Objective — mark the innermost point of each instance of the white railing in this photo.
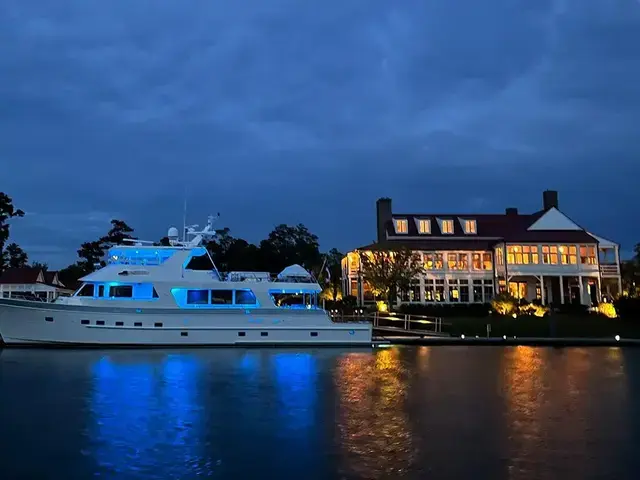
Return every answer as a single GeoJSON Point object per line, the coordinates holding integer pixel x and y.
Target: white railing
{"type": "Point", "coordinates": [609, 270]}
{"type": "Point", "coordinates": [396, 321]}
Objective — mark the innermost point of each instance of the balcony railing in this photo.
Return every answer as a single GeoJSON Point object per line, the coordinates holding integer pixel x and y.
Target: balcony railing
{"type": "Point", "coordinates": [609, 270]}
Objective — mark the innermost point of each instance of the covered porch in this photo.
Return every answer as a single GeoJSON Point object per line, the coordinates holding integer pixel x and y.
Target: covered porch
{"type": "Point", "coordinates": [555, 289]}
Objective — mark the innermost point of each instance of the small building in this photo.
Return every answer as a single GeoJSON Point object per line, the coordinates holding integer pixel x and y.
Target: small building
{"type": "Point", "coordinates": [468, 258]}
{"type": "Point", "coordinates": [32, 282]}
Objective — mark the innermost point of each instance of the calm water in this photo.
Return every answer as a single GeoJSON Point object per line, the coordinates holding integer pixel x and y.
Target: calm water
{"type": "Point", "coordinates": [414, 412]}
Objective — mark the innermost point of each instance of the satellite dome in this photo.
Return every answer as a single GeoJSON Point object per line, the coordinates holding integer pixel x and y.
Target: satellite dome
{"type": "Point", "coordinates": [173, 233]}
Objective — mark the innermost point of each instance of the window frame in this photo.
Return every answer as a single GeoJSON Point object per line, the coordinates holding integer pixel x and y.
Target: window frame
{"type": "Point", "coordinates": [449, 223]}
{"type": "Point", "coordinates": [401, 230]}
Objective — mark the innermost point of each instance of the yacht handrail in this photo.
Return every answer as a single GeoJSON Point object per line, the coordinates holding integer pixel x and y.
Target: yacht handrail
{"type": "Point", "coordinates": [265, 277]}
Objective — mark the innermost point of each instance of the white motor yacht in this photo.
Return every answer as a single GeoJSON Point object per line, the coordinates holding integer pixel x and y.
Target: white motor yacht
{"type": "Point", "coordinates": [149, 295]}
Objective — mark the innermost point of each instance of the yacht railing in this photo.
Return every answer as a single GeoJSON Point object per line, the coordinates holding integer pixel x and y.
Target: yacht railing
{"type": "Point", "coordinates": [264, 277]}
{"type": "Point", "coordinates": [24, 296]}
{"type": "Point", "coordinates": [399, 322]}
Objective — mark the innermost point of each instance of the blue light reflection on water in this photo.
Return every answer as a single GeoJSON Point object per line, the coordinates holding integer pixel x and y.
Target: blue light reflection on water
{"type": "Point", "coordinates": [145, 412]}
{"type": "Point", "coordinates": [296, 378]}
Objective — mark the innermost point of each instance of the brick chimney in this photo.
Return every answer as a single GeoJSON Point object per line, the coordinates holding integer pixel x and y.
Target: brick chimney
{"type": "Point", "coordinates": [549, 199]}
{"type": "Point", "coordinates": [511, 211]}
{"type": "Point", "coordinates": [383, 215]}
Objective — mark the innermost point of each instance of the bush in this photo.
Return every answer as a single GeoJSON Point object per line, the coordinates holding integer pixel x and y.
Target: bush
{"type": "Point", "coordinates": [607, 310]}
{"type": "Point", "coordinates": [533, 309]}
{"type": "Point", "coordinates": [504, 304]}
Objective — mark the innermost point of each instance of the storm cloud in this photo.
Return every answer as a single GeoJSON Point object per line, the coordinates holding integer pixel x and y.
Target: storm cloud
{"type": "Point", "coordinates": [290, 111]}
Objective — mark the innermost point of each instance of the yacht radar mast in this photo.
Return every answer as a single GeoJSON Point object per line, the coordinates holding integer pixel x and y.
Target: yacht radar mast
{"type": "Point", "coordinates": [207, 233]}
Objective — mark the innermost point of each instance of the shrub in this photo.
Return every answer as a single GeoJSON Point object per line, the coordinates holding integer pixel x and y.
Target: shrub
{"type": "Point", "coordinates": [504, 304]}
{"type": "Point", "coordinates": [607, 310]}
{"type": "Point", "coordinates": [533, 309]}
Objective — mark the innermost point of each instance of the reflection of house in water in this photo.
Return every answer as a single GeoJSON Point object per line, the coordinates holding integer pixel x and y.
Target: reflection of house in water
{"type": "Point", "coordinates": [468, 258]}
{"type": "Point", "coordinates": [373, 429]}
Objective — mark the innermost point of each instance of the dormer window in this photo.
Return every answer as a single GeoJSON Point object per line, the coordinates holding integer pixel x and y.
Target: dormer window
{"type": "Point", "coordinates": [424, 226]}
{"type": "Point", "coordinates": [470, 226]}
{"type": "Point", "coordinates": [401, 225]}
{"type": "Point", "coordinates": [446, 226]}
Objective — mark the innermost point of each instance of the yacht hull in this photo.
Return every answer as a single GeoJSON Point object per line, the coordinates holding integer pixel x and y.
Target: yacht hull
{"type": "Point", "coordinates": [25, 323]}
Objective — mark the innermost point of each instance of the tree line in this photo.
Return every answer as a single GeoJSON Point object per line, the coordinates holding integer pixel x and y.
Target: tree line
{"type": "Point", "coordinates": [285, 245]}
{"type": "Point", "coordinates": [385, 272]}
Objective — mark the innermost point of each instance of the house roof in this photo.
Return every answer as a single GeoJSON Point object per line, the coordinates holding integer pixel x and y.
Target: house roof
{"type": "Point", "coordinates": [432, 245]}
{"type": "Point", "coordinates": [509, 227]}
{"type": "Point", "coordinates": [20, 275]}
{"type": "Point", "coordinates": [30, 275]}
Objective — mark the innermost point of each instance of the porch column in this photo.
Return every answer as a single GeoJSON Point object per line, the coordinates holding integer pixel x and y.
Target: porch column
{"type": "Point", "coordinates": [617, 253]}
{"type": "Point", "coordinates": [561, 290]}
{"type": "Point", "coordinates": [542, 299]}
{"type": "Point", "coordinates": [599, 291]}
{"type": "Point", "coordinates": [580, 280]}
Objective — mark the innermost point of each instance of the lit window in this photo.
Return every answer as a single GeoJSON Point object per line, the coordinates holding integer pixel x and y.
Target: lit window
{"type": "Point", "coordinates": [476, 261]}
{"type": "Point", "coordinates": [550, 254]}
{"type": "Point", "coordinates": [568, 254]}
{"type": "Point", "coordinates": [573, 255]}
{"type": "Point", "coordinates": [515, 255]}
{"type": "Point", "coordinates": [588, 255]}
{"type": "Point", "coordinates": [518, 289]}
{"type": "Point", "coordinates": [447, 226]}
{"type": "Point", "coordinates": [470, 226]}
{"type": "Point", "coordinates": [424, 226]}
{"type": "Point", "coordinates": [535, 258]}
{"type": "Point", "coordinates": [433, 261]}
{"type": "Point", "coordinates": [457, 261]}
{"type": "Point", "coordinates": [402, 225]}
{"type": "Point", "coordinates": [499, 256]}
{"type": "Point", "coordinates": [486, 261]}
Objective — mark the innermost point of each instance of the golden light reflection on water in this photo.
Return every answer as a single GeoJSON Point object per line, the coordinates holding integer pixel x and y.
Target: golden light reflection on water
{"type": "Point", "coordinates": [549, 400]}
{"type": "Point", "coordinates": [522, 386]}
{"type": "Point", "coordinates": [423, 359]}
{"type": "Point", "coordinates": [373, 429]}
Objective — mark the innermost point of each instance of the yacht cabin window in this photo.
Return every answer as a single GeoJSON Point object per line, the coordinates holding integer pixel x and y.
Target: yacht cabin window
{"type": "Point", "coordinates": [198, 297]}
{"type": "Point", "coordinates": [245, 297]}
{"type": "Point", "coordinates": [86, 290]}
{"type": "Point", "coordinates": [121, 291]}
{"type": "Point", "coordinates": [221, 297]}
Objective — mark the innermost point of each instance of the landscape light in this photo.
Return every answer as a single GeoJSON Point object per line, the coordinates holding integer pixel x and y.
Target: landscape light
{"type": "Point", "coordinates": [617, 337]}
{"type": "Point", "coordinates": [462, 336]}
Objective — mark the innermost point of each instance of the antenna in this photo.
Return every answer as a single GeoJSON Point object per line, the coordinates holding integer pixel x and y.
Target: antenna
{"type": "Point", "coordinates": [184, 217]}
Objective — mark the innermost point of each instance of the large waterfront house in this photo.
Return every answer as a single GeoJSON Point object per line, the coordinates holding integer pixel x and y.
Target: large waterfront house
{"type": "Point", "coordinates": [469, 258]}
{"type": "Point", "coordinates": [32, 282]}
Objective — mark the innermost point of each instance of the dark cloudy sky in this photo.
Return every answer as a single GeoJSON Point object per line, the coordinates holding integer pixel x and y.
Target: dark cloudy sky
{"type": "Point", "coordinates": [286, 111]}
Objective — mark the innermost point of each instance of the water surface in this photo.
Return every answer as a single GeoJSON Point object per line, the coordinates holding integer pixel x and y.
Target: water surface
{"type": "Point", "coordinates": [410, 412]}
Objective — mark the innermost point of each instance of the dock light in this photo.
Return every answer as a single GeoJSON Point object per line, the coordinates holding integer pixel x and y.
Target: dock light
{"type": "Point", "coordinates": [617, 337]}
{"type": "Point", "coordinates": [462, 336]}
{"type": "Point", "coordinates": [514, 315]}
{"type": "Point", "coordinates": [504, 337]}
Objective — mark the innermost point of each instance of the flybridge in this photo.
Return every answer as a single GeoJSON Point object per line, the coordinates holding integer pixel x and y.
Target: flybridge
{"type": "Point", "coordinates": [144, 252]}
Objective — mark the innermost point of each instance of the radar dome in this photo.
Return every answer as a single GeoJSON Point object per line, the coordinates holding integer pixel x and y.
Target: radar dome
{"type": "Point", "coordinates": [173, 233]}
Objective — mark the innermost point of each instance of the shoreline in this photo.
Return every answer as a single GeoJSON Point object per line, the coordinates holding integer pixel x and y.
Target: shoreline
{"type": "Point", "coordinates": [377, 342]}
{"type": "Point", "coordinates": [510, 341]}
